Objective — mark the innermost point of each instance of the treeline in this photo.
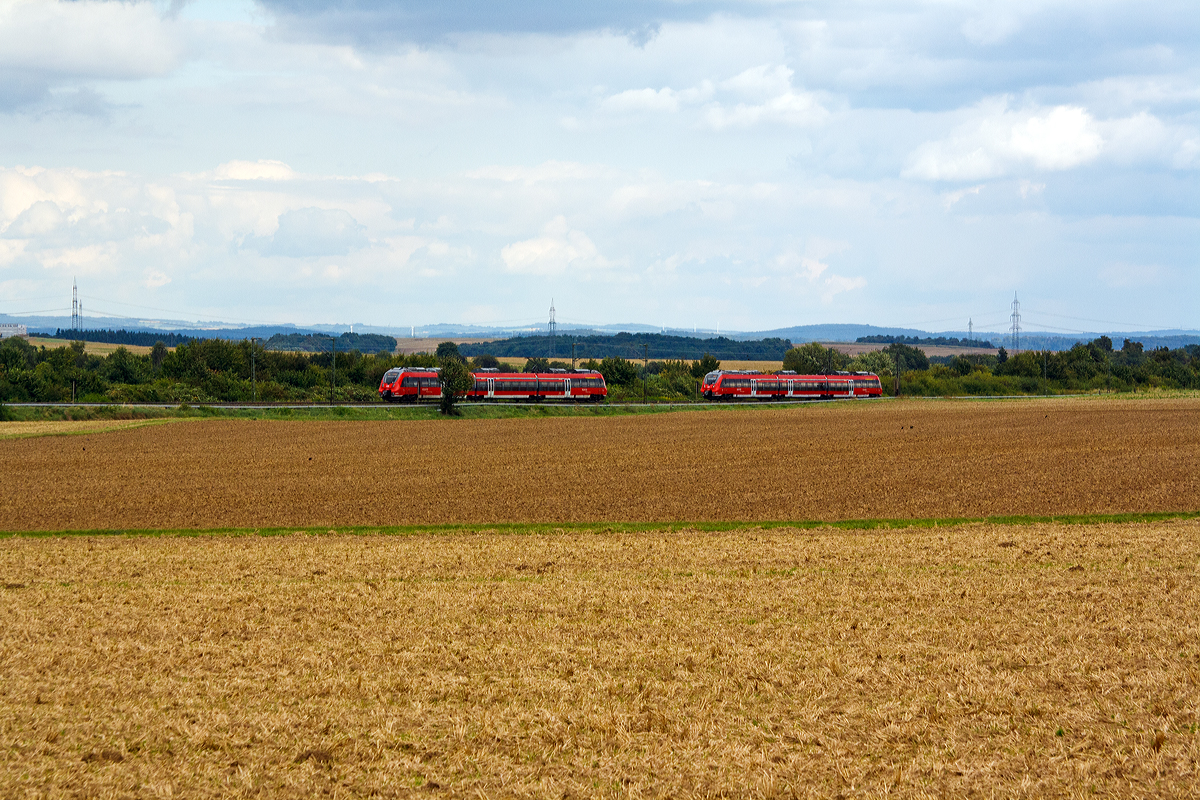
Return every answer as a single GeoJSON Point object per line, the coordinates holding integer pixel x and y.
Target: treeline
{"type": "Point", "coordinates": [137, 338]}
{"type": "Point", "coordinates": [632, 346]}
{"type": "Point", "coordinates": [319, 343]}
{"type": "Point", "coordinates": [219, 370]}
{"type": "Point", "coordinates": [199, 371]}
{"type": "Point", "coordinates": [1094, 366]}
{"type": "Point", "coordinates": [916, 341]}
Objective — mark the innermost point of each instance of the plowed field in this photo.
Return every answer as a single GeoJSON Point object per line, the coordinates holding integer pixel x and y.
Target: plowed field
{"type": "Point", "coordinates": [833, 461]}
{"type": "Point", "coordinates": [976, 660]}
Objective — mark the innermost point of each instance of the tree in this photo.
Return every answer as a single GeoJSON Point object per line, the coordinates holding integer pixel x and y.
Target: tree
{"type": "Point", "coordinates": [814, 359]}
{"type": "Point", "coordinates": [537, 365]}
{"type": "Point", "coordinates": [619, 372]}
{"type": "Point", "coordinates": [157, 354]}
{"type": "Point", "coordinates": [1001, 356]}
{"type": "Point", "coordinates": [875, 361]}
{"type": "Point", "coordinates": [448, 350]}
{"type": "Point", "coordinates": [486, 361]}
{"type": "Point", "coordinates": [962, 365]}
{"type": "Point", "coordinates": [456, 381]}
{"type": "Point", "coordinates": [909, 358]}
{"type": "Point", "coordinates": [704, 366]}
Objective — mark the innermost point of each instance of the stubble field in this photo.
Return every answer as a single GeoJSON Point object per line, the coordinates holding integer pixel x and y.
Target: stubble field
{"type": "Point", "coordinates": [976, 660]}
{"type": "Point", "coordinates": [916, 459]}
{"type": "Point", "coordinates": [1025, 660]}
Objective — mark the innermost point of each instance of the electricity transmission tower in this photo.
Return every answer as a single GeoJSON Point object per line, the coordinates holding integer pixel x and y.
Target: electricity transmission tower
{"type": "Point", "coordinates": [553, 327]}
{"type": "Point", "coordinates": [1016, 324]}
{"type": "Point", "coordinates": [75, 321]}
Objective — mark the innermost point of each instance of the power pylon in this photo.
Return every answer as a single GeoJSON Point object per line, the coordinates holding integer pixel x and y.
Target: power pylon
{"type": "Point", "coordinates": [1016, 324]}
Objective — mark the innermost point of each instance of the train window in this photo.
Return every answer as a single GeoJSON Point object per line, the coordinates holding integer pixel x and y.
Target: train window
{"type": "Point", "coordinates": [481, 386]}
{"type": "Point", "coordinates": [410, 381]}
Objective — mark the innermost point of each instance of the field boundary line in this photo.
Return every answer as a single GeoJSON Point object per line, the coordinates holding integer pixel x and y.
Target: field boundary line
{"type": "Point", "coordinates": [556, 528]}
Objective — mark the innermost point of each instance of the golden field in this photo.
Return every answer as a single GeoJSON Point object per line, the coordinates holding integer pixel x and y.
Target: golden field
{"type": "Point", "coordinates": [973, 660]}
{"type": "Point", "coordinates": [93, 348]}
{"type": "Point", "coordinates": [860, 460]}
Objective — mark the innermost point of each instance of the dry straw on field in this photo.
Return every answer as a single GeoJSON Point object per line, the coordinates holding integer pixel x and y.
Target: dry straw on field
{"type": "Point", "coordinates": [843, 461]}
{"type": "Point", "coordinates": [1001, 661]}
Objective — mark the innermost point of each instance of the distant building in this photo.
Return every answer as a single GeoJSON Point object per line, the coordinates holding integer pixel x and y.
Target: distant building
{"type": "Point", "coordinates": [8, 329]}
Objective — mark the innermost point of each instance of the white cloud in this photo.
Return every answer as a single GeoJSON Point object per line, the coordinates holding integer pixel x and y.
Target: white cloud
{"type": "Point", "coordinates": [810, 271]}
{"type": "Point", "coordinates": [88, 38]}
{"type": "Point", "coordinates": [254, 171]}
{"type": "Point", "coordinates": [556, 251]}
{"type": "Point", "coordinates": [156, 278]}
{"type": "Point", "coordinates": [664, 99]}
{"type": "Point", "coordinates": [999, 140]}
{"type": "Point", "coordinates": [773, 100]}
{"type": "Point", "coordinates": [950, 198]}
{"type": "Point", "coordinates": [761, 83]}
{"type": "Point", "coordinates": [836, 284]}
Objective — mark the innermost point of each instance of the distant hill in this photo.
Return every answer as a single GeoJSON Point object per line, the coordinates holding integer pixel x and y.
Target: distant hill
{"type": "Point", "coordinates": [833, 333]}
{"type": "Point", "coordinates": [656, 346]}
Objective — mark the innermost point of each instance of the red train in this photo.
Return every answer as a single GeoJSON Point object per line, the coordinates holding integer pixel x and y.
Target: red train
{"type": "Point", "coordinates": [746, 385]}
{"type": "Point", "coordinates": [410, 384]}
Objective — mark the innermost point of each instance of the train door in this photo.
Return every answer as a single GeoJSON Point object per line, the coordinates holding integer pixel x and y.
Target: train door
{"type": "Point", "coordinates": [754, 388]}
{"type": "Point", "coordinates": [791, 389]}
{"type": "Point", "coordinates": [567, 387]}
{"type": "Point", "coordinates": [491, 387]}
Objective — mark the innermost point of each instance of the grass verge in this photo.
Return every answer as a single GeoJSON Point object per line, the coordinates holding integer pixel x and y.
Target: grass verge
{"type": "Point", "coordinates": [539, 529]}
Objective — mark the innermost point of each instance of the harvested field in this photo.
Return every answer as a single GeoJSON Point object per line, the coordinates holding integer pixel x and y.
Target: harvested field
{"type": "Point", "coordinates": [863, 460]}
{"type": "Point", "coordinates": [92, 348]}
{"type": "Point", "coordinates": [407, 346]}
{"type": "Point", "coordinates": [1030, 661]}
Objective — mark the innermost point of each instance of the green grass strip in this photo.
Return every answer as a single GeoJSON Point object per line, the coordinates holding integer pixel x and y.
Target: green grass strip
{"type": "Point", "coordinates": [543, 528]}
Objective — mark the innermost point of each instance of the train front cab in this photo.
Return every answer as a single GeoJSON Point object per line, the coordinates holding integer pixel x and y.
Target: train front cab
{"type": "Point", "coordinates": [408, 384]}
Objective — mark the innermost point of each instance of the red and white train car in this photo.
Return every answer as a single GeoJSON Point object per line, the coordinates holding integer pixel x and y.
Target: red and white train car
{"type": "Point", "coordinates": [754, 385]}
{"type": "Point", "coordinates": [411, 384]}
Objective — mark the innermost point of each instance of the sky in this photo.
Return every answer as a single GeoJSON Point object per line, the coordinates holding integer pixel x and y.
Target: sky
{"type": "Point", "coordinates": [717, 164]}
